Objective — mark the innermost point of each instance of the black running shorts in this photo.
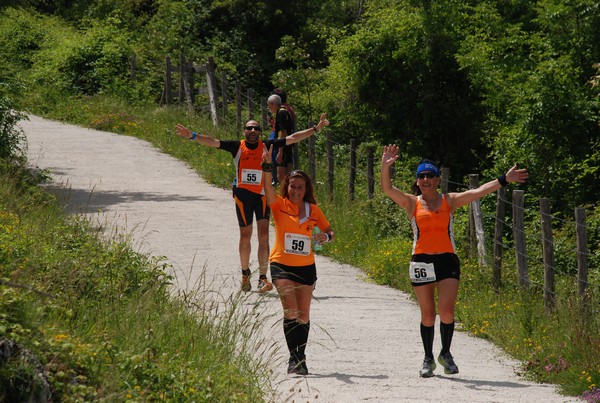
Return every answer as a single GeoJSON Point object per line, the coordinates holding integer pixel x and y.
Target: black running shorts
{"type": "Point", "coordinates": [249, 204]}
{"type": "Point", "coordinates": [427, 269]}
{"type": "Point", "coordinates": [306, 275]}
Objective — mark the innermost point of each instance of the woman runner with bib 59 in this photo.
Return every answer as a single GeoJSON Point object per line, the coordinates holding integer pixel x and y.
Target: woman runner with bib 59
{"type": "Point", "coordinates": [434, 263]}
{"type": "Point", "coordinates": [292, 262]}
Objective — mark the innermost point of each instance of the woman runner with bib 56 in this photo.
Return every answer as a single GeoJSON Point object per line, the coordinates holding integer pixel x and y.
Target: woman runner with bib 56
{"type": "Point", "coordinates": [292, 262]}
{"type": "Point", "coordinates": [434, 263]}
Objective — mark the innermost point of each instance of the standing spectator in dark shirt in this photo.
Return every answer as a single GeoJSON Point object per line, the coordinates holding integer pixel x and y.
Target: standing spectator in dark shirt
{"type": "Point", "coordinates": [284, 126]}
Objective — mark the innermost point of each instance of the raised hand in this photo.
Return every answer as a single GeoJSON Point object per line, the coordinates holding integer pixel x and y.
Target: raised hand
{"type": "Point", "coordinates": [517, 175]}
{"type": "Point", "coordinates": [390, 154]}
{"type": "Point", "coordinates": [267, 154]}
{"type": "Point", "coordinates": [183, 131]}
{"type": "Point", "coordinates": [322, 121]}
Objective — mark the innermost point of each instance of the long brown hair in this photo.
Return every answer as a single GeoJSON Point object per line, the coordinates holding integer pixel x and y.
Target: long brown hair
{"type": "Point", "coordinates": [309, 195]}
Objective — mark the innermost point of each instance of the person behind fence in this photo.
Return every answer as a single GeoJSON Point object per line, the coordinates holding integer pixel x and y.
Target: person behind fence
{"type": "Point", "coordinates": [434, 264]}
{"type": "Point", "coordinates": [248, 191]}
{"type": "Point", "coordinates": [283, 127]}
{"type": "Point", "coordinates": [292, 262]}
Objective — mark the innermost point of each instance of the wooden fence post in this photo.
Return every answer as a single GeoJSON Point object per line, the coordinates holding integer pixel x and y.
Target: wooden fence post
{"type": "Point", "coordinates": [352, 175]}
{"type": "Point", "coordinates": [478, 221]}
{"type": "Point", "coordinates": [519, 237]}
{"type": "Point", "coordinates": [445, 178]}
{"type": "Point", "coordinates": [312, 160]}
{"type": "Point", "coordinates": [250, 103]}
{"type": "Point", "coordinates": [498, 230]}
{"type": "Point", "coordinates": [184, 84]}
{"type": "Point", "coordinates": [182, 79]}
{"type": "Point", "coordinates": [548, 251]}
{"type": "Point", "coordinates": [330, 165]}
{"type": "Point", "coordinates": [224, 99]}
{"type": "Point", "coordinates": [133, 67]}
{"type": "Point", "coordinates": [212, 90]}
{"type": "Point", "coordinates": [582, 252]}
{"type": "Point", "coordinates": [191, 78]}
{"type": "Point", "coordinates": [370, 169]}
{"type": "Point", "coordinates": [167, 89]}
{"type": "Point", "coordinates": [238, 104]}
{"type": "Point", "coordinates": [263, 113]}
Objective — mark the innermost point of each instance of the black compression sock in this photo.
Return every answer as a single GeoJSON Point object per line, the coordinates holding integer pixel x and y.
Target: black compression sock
{"type": "Point", "coordinates": [427, 334]}
{"type": "Point", "coordinates": [446, 331]}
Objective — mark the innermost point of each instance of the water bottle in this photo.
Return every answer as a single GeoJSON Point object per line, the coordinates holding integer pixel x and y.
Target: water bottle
{"type": "Point", "coordinates": [316, 244]}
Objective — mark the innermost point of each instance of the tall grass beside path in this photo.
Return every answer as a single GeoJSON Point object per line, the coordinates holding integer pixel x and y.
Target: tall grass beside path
{"type": "Point", "coordinates": [556, 346]}
{"type": "Point", "coordinates": [86, 318]}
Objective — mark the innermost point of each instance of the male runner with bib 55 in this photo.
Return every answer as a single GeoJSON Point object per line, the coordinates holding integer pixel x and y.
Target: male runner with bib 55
{"type": "Point", "coordinates": [248, 191]}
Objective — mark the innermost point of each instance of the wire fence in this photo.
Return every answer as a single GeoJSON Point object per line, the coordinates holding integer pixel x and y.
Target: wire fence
{"type": "Point", "coordinates": [227, 103]}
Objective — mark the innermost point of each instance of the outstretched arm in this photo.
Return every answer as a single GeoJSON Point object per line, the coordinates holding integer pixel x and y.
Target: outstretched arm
{"type": "Point", "coordinates": [404, 200]}
{"type": "Point", "coordinates": [513, 175]}
{"type": "Point", "coordinates": [301, 135]}
{"type": "Point", "coordinates": [186, 133]}
{"type": "Point", "coordinates": [270, 193]}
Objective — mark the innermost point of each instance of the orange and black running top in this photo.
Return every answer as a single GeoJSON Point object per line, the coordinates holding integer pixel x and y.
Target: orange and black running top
{"type": "Point", "coordinates": [248, 171]}
{"type": "Point", "coordinates": [248, 159]}
{"type": "Point", "coordinates": [293, 236]}
{"type": "Point", "coordinates": [432, 230]}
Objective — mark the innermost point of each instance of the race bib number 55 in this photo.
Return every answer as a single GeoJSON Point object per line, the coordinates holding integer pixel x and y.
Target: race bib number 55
{"type": "Point", "coordinates": [421, 272]}
{"type": "Point", "coordinates": [251, 176]}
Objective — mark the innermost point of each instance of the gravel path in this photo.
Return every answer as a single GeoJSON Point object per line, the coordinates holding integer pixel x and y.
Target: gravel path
{"type": "Point", "coordinates": [364, 343]}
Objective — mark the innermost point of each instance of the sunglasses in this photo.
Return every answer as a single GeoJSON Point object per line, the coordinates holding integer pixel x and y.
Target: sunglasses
{"type": "Point", "coordinates": [428, 175]}
{"type": "Point", "coordinates": [257, 128]}
{"type": "Point", "coordinates": [298, 173]}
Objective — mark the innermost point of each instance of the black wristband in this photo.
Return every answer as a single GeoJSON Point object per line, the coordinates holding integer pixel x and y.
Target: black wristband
{"type": "Point", "coordinates": [315, 129]}
{"type": "Point", "coordinates": [328, 237]}
{"type": "Point", "coordinates": [503, 181]}
{"type": "Point", "coordinates": [266, 167]}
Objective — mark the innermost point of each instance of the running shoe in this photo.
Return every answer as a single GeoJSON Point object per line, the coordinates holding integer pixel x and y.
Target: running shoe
{"type": "Point", "coordinates": [303, 368]}
{"type": "Point", "coordinates": [447, 362]}
{"type": "Point", "coordinates": [428, 367]}
{"type": "Point", "coordinates": [298, 368]}
{"type": "Point", "coordinates": [264, 285]}
{"type": "Point", "coordinates": [293, 366]}
{"type": "Point", "coordinates": [246, 286]}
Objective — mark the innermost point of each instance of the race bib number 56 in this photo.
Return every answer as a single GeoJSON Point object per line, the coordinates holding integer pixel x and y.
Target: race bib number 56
{"type": "Point", "coordinates": [421, 272]}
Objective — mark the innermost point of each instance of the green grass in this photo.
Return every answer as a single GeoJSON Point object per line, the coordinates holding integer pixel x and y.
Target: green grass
{"type": "Point", "coordinates": [560, 346]}
{"type": "Point", "coordinates": [101, 321]}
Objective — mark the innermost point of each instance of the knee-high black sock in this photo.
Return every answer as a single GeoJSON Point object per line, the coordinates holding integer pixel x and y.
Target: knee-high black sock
{"type": "Point", "coordinates": [427, 333]}
{"type": "Point", "coordinates": [303, 330]}
{"type": "Point", "coordinates": [289, 327]}
{"type": "Point", "coordinates": [446, 331]}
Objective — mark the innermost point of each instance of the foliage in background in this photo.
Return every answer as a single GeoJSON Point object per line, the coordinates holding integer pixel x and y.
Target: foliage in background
{"type": "Point", "coordinates": [475, 85]}
{"type": "Point", "coordinates": [85, 318]}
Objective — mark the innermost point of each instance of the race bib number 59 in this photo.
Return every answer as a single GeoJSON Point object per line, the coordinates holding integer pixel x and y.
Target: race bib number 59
{"type": "Point", "coordinates": [297, 244]}
{"type": "Point", "coordinates": [421, 272]}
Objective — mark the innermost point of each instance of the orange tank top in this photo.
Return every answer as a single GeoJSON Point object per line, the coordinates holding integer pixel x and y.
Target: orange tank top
{"type": "Point", "coordinates": [249, 173]}
{"type": "Point", "coordinates": [432, 230]}
{"type": "Point", "coordinates": [293, 236]}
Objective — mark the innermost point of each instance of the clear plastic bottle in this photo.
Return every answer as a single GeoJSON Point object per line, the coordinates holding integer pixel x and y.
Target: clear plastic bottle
{"type": "Point", "coordinates": [316, 245]}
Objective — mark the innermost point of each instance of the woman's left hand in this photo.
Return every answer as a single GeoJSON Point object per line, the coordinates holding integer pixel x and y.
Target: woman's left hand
{"type": "Point", "coordinates": [267, 154]}
{"type": "Point", "coordinates": [517, 175]}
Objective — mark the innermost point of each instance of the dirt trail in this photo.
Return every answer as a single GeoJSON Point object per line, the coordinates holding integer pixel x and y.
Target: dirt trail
{"type": "Point", "coordinates": [364, 343]}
